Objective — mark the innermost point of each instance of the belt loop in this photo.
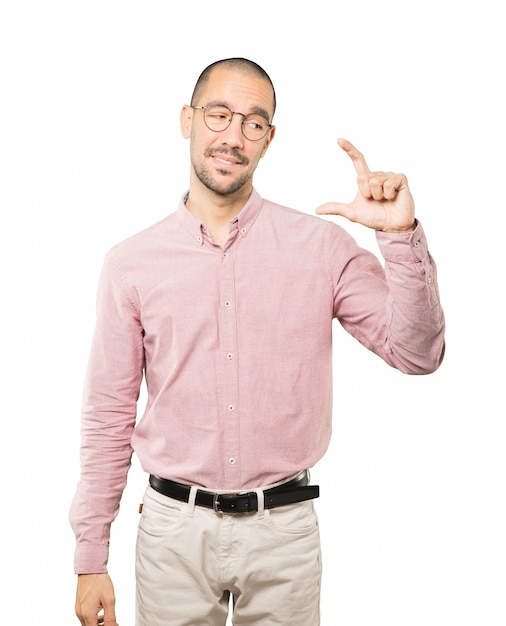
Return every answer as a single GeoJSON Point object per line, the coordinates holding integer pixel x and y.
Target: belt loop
{"type": "Point", "coordinates": [260, 499]}
{"type": "Point", "coordinates": [191, 500]}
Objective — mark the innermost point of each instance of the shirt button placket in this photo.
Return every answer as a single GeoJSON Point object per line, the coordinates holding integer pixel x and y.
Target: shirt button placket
{"type": "Point", "coordinates": [229, 382]}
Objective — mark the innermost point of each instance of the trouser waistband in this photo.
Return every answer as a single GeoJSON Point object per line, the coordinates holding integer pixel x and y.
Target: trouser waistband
{"type": "Point", "coordinates": [294, 490]}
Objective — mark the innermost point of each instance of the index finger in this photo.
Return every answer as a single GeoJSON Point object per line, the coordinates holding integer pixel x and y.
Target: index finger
{"type": "Point", "coordinates": [355, 155]}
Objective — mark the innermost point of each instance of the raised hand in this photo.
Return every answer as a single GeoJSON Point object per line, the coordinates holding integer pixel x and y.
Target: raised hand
{"type": "Point", "coordinates": [383, 201]}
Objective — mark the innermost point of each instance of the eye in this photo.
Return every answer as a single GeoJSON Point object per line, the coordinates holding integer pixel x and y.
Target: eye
{"type": "Point", "coordinates": [255, 123]}
{"type": "Point", "coordinates": [218, 114]}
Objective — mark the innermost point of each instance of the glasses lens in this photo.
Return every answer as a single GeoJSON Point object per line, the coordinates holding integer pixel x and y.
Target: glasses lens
{"type": "Point", "coordinates": [218, 118]}
{"type": "Point", "coordinates": [254, 127]}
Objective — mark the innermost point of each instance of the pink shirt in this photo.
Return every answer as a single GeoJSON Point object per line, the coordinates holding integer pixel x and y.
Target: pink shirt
{"type": "Point", "coordinates": [235, 344]}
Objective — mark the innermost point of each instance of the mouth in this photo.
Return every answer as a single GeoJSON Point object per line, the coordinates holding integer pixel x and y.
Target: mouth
{"type": "Point", "coordinates": [223, 162]}
{"type": "Point", "coordinates": [227, 159]}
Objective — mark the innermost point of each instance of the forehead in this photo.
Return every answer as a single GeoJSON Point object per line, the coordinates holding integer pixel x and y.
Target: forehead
{"type": "Point", "coordinates": [242, 92]}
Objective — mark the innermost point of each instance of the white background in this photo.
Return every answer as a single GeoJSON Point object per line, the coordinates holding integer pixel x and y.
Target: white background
{"type": "Point", "coordinates": [413, 509]}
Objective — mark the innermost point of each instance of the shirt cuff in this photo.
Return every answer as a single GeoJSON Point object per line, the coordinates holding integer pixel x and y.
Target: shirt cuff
{"type": "Point", "coordinates": [403, 247]}
{"type": "Point", "coordinates": [91, 559]}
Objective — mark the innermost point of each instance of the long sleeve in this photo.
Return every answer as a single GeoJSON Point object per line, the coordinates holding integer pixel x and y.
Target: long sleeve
{"type": "Point", "coordinates": [394, 311]}
{"type": "Point", "coordinates": [111, 391]}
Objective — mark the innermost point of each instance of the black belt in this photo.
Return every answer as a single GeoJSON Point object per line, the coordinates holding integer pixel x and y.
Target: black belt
{"type": "Point", "coordinates": [295, 490]}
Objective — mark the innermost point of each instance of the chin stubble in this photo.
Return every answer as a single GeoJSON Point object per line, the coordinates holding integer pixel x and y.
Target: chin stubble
{"type": "Point", "coordinates": [206, 179]}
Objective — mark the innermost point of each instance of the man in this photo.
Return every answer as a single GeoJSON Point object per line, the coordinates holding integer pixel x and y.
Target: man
{"type": "Point", "coordinates": [226, 306]}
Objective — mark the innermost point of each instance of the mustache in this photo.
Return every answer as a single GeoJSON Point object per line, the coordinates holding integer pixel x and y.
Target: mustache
{"type": "Point", "coordinates": [229, 152]}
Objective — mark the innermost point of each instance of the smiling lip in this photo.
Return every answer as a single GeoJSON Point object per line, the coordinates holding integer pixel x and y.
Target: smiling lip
{"type": "Point", "coordinates": [224, 160]}
{"type": "Point", "coordinates": [227, 158]}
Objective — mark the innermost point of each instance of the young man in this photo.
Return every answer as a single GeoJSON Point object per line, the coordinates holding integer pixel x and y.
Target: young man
{"type": "Point", "coordinates": [226, 307]}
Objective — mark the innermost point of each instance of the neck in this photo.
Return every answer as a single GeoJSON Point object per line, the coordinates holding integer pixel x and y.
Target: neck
{"type": "Point", "coordinates": [214, 210]}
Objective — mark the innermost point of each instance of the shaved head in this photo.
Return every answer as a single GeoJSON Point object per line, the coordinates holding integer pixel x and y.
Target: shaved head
{"type": "Point", "coordinates": [244, 66]}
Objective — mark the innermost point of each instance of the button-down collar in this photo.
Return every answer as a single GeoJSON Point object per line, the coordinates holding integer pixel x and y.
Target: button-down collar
{"type": "Point", "coordinates": [243, 221]}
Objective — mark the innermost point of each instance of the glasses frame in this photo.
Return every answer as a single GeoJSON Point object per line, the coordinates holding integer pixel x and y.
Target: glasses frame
{"type": "Point", "coordinates": [232, 113]}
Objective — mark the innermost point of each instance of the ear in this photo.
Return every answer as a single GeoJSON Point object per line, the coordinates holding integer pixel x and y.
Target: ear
{"type": "Point", "coordinates": [267, 140]}
{"type": "Point", "coordinates": [185, 120]}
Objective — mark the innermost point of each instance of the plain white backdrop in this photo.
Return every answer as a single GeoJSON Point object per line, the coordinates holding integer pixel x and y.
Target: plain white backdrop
{"type": "Point", "coordinates": [413, 507]}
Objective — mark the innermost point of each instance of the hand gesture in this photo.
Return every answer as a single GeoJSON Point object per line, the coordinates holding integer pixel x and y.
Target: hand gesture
{"type": "Point", "coordinates": [383, 200]}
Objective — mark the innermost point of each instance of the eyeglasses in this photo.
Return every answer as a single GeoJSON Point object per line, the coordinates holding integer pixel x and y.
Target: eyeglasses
{"type": "Point", "coordinates": [217, 118]}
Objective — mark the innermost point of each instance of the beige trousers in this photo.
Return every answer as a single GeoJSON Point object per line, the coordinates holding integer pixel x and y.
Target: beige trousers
{"type": "Point", "coordinates": [190, 559]}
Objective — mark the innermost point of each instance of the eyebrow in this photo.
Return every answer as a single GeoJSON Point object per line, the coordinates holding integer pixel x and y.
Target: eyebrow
{"type": "Point", "coordinates": [256, 110]}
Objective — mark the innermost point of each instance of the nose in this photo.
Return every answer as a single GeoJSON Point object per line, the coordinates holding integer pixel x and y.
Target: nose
{"type": "Point", "coordinates": [232, 135]}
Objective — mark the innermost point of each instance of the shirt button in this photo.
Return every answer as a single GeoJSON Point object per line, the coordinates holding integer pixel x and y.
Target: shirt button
{"type": "Point", "coordinates": [230, 356]}
{"type": "Point", "coordinates": [225, 255]}
{"type": "Point", "coordinates": [228, 303]}
{"type": "Point", "coordinates": [429, 280]}
{"type": "Point", "coordinates": [243, 231]}
{"type": "Point", "coordinates": [231, 460]}
{"type": "Point", "coordinates": [417, 243]}
{"type": "Point", "coordinates": [231, 407]}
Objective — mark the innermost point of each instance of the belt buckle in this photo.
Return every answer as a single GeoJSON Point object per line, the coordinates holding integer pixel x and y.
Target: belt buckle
{"type": "Point", "coordinates": [217, 496]}
{"type": "Point", "coordinates": [216, 503]}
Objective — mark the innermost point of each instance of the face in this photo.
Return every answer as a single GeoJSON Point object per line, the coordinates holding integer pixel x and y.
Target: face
{"type": "Point", "coordinates": [224, 162]}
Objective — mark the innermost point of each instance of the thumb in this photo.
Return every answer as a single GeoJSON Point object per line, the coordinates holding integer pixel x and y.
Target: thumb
{"type": "Point", "coordinates": [335, 208]}
{"type": "Point", "coordinates": [109, 617]}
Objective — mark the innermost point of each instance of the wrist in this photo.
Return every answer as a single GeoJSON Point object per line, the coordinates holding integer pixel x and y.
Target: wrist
{"type": "Point", "coordinates": [406, 229]}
